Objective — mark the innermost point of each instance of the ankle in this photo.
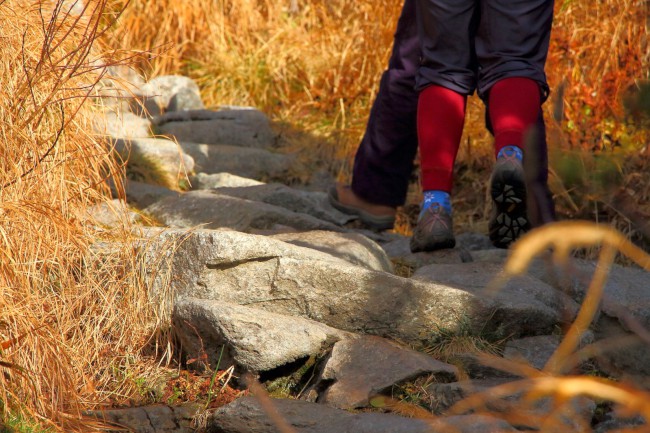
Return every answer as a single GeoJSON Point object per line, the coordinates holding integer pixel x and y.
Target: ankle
{"type": "Point", "coordinates": [436, 198]}
{"type": "Point", "coordinates": [511, 151]}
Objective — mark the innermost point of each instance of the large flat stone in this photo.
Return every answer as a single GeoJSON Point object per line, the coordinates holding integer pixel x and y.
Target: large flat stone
{"type": "Point", "coordinates": [380, 237]}
{"type": "Point", "coordinates": [492, 255]}
{"type": "Point", "coordinates": [124, 125]}
{"type": "Point", "coordinates": [117, 88]}
{"type": "Point", "coordinates": [311, 203]}
{"type": "Point", "coordinates": [146, 155]}
{"type": "Point", "coordinates": [148, 419]}
{"type": "Point", "coordinates": [624, 310]}
{"type": "Point", "coordinates": [366, 366]}
{"type": "Point", "coordinates": [255, 340]}
{"type": "Point", "coordinates": [235, 126]}
{"type": "Point", "coordinates": [627, 293]}
{"type": "Point", "coordinates": [247, 416]}
{"type": "Point", "coordinates": [143, 194]}
{"type": "Point", "coordinates": [220, 180]}
{"type": "Point", "coordinates": [190, 256]}
{"type": "Point", "coordinates": [626, 355]}
{"type": "Point", "coordinates": [352, 247]}
{"type": "Point", "coordinates": [113, 214]}
{"type": "Point", "coordinates": [213, 210]}
{"type": "Point", "coordinates": [173, 93]}
{"type": "Point", "coordinates": [442, 396]}
{"type": "Point", "coordinates": [253, 163]}
{"type": "Point", "coordinates": [538, 305]}
{"type": "Point", "coordinates": [571, 415]}
{"type": "Point", "coordinates": [537, 350]}
{"type": "Point", "coordinates": [473, 241]}
{"type": "Point", "coordinates": [287, 279]}
{"type": "Point", "coordinates": [400, 252]}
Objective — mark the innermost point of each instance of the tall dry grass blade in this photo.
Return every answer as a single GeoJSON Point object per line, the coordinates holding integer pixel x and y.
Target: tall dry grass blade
{"type": "Point", "coordinates": [598, 348]}
{"type": "Point", "coordinates": [635, 401]}
{"type": "Point", "coordinates": [589, 308]}
{"type": "Point", "coordinates": [563, 389]}
{"type": "Point", "coordinates": [563, 237]}
{"type": "Point", "coordinates": [513, 367]}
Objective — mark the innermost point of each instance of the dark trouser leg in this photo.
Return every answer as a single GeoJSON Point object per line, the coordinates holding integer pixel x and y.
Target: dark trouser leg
{"type": "Point", "coordinates": [384, 159]}
{"type": "Point", "coordinates": [521, 29]}
{"type": "Point", "coordinates": [541, 208]}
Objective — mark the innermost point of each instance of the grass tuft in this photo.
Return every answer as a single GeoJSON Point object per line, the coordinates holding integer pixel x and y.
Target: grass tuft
{"type": "Point", "coordinates": [75, 313]}
{"type": "Point", "coordinates": [463, 339]}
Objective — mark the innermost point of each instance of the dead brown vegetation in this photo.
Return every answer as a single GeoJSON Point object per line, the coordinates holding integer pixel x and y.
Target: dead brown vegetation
{"type": "Point", "coordinates": [64, 298]}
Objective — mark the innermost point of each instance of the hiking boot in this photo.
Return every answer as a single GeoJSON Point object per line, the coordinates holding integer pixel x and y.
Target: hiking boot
{"type": "Point", "coordinates": [509, 218]}
{"type": "Point", "coordinates": [374, 216]}
{"type": "Point", "coordinates": [433, 231]}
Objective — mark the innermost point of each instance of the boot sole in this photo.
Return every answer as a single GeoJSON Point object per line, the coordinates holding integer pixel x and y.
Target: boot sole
{"type": "Point", "coordinates": [509, 219]}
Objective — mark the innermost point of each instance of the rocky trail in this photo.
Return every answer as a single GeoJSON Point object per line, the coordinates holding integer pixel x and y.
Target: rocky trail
{"type": "Point", "coordinates": [272, 280]}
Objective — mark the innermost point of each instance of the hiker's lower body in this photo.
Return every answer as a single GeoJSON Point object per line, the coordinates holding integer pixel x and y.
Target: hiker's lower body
{"type": "Point", "coordinates": [383, 163]}
{"type": "Point", "coordinates": [499, 48]}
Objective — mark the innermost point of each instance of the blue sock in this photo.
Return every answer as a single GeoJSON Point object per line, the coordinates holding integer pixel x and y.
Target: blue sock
{"type": "Point", "coordinates": [432, 197]}
{"type": "Point", "coordinates": [510, 151]}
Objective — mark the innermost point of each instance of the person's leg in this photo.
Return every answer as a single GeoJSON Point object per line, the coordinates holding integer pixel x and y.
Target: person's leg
{"type": "Point", "coordinates": [511, 47]}
{"type": "Point", "coordinates": [441, 115]}
{"type": "Point", "coordinates": [512, 41]}
{"type": "Point", "coordinates": [514, 105]}
{"type": "Point", "coordinates": [541, 208]}
{"type": "Point", "coordinates": [384, 160]}
{"type": "Point", "coordinates": [445, 78]}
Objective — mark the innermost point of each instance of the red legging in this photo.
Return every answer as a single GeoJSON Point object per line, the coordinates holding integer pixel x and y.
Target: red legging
{"type": "Point", "coordinates": [514, 105]}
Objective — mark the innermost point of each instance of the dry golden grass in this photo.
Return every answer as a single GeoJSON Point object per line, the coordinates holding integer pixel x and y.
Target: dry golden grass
{"type": "Point", "coordinates": [74, 319]}
{"type": "Point", "coordinates": [600, 50]}
{"type": "Point", "coordinates": [323, 59]}
{"type": "Point", "coordinates": [316, 68]}
{"type": "Point", "coordinates": [72, 314]}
